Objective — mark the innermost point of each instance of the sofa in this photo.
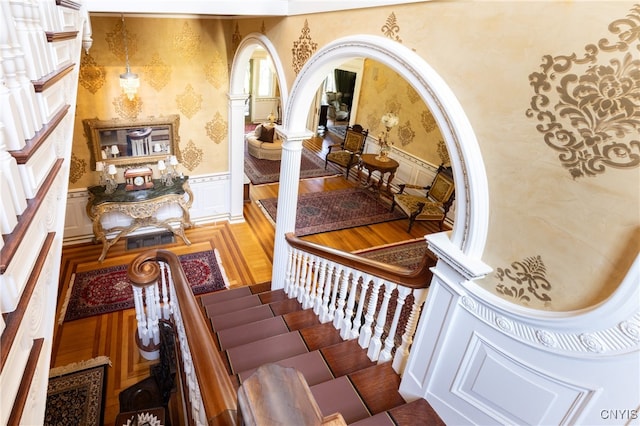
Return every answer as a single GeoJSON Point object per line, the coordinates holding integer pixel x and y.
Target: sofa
{"type": "Point", "coordinates": [338, 110]}
{"type": "Point", "coordinates": [264, 143]}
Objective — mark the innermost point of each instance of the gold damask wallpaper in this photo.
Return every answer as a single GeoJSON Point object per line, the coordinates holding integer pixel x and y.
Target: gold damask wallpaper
{"type": "Point", "coordinates": [417, 132]}
{"type": "Point", "coordinates": [183, 69]}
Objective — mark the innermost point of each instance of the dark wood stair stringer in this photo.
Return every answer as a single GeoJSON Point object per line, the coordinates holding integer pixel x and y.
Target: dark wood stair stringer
{"type": "Point", "coordinates": [339, 373]}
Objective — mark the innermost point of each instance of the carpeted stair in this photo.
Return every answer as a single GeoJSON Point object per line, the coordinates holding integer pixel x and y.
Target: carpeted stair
{"type": "Point", "coordinates": [255, 326]}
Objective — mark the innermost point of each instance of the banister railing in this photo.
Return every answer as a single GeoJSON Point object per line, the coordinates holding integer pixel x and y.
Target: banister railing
{"type": "Point", "coordinates": [377, 303]}
{"type": "Point", "coordinates": [211, 394]}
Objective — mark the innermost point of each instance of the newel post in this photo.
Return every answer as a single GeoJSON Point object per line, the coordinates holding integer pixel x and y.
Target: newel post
{"type": "Point", "coordinates": [143, 273]}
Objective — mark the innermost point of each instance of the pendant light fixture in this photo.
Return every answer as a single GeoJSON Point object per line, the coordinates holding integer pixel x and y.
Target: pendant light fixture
{"type": "Point", "coordinates": [129, 82]}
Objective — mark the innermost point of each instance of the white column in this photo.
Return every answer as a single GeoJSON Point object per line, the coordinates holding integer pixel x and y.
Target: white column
{"type": "Point", "coordinates": [287, 202]}
{"type": "Point", "coordinates": [236, 158]}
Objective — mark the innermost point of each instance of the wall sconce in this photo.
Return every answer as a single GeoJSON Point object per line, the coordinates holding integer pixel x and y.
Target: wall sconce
{"type": "Point", "coordinates": [129, 82]}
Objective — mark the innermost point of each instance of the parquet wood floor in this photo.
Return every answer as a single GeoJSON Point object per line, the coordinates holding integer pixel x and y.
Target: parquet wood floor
{"type": "Point", "coordinates": [246, 251]}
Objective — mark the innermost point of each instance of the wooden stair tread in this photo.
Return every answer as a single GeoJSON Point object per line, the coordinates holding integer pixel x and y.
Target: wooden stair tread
{"type": "Point", "coordinates": [273, 296]}
{"type": "Point", "coordinates": [346, 357]}
{"type": "Point", "coordinates": [416, 413]}
{"type": "Point", "coordinates": [233, 319]}
{"type": "Point", "coordinates": [378, 387]}
{"type": "Point", "coordinates": [282, 307]}
{"type": "Point", "coordinates": [260, 288]}
{"type": "Point", "coordinates": [301, 319]}
{"type": "Point", "coordinates": [310, 364]}
{"type": "Point", "coordinates": [321, 335]}
{"type": "Point", "coordinates": [380, 419]}
{"type": "Point", "coordinates": [232, 305]}
{"type": "Point", "coordinates": [269, 350]}
{"type": "Point", "coordinates": [339, 396]}
{"type": "Point", "coordinates": [246, 333]}
{"type": "Point", "coordinates": [221, 296]}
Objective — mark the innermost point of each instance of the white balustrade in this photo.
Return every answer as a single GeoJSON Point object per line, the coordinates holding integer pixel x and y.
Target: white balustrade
{"type": "Point", "coordinates": [359, 305]}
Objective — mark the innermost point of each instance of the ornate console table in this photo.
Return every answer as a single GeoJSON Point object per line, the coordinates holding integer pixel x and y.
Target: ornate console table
{"type": "Point", "coordinates": [141, 206]}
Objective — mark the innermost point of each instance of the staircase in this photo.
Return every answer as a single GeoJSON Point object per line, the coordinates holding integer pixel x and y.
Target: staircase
{"type": "Point", "coordinates": [254, 325]}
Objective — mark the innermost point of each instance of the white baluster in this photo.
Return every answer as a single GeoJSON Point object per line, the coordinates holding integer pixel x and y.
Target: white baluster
{"type": "Point", "coordinates": [151, 293]}
{"type": "Point", "coordinates": [141, 317]}
{"type": "Point", "coordinates": [296, 279]}
{"type": "Point", "coordinates": [390, 342]}
{"type": "Point", "coordinates": [402, 353]}
{"type": "Point", "coordinates": [345, 326]}
{"type": "Point", "coordinates": [329, 294]}
{"type": "Point", "coordinates": [335, 289]}
{"type": "Point", "coordinates": [166, 281]}
{"type": "Point", "coordinates": [376, 341]}
{"type": "Point", "coordinates": [320, 286]}
{"type": "Point", "coordinates": [367, 329]}
{"type": "Point", "coordinates": [343, 284]}
{"type": "Point", "coordinates": [288, 282]}
{"type": "Point", "coordinates": [357, 319]}
{"type": "Point", "coordinates": [304, 260]}
{"type": "Point", "coordinates": [12, 176]}
{"type": "Point", "coordinates": [21, 100]}
{"type": "Point", "coordinates": [310, 283]}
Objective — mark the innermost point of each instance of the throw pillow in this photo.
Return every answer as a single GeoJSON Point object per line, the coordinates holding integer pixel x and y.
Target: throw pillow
{"type": "Point", "coordinates": [266, 135]}
{"type": "Point", "coordinates": [258, 130]}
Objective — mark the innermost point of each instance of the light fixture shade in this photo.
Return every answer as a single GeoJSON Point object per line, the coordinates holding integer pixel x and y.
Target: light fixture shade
{"type": "Point", "coordinates": [129, 82]}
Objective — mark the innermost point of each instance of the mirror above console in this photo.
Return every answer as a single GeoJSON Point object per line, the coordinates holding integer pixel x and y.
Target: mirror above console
{"type": "Point", "coordinates": [123, 142]}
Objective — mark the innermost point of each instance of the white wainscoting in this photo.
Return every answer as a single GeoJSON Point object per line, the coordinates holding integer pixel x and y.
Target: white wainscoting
{"type": "Point", "coordinates": [211, 195]}
{"type": "Point", "coordinates": [411, 170]}
{"type": "Point", "coordinates": [262, 107]}
{"type": "Point", "coordinates": [483, 360]}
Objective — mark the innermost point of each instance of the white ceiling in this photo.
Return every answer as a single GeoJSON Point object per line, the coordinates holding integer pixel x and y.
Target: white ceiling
{"type": "Point", "coordinates": [232, 8]}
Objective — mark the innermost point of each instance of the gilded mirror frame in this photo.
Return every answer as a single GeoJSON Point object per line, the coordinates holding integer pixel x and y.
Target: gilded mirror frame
{"type": "Point", "coordinates": [164, 128]}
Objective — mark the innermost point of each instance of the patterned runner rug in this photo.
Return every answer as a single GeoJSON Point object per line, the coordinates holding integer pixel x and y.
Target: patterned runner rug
{"type": "Point", "coordinates": [268, 171]}
{"type": "Point", "coordinates": [108, 290]}
{"type": "Point", "coordinates": [406, 253]}
{"type": "Point", "coordinates": [333, 210]}
{"type": "Point", "coordinates": [76, 393]}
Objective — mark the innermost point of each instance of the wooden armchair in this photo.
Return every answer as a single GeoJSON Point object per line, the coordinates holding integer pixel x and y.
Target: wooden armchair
{"type": "Point", "coordinates": [436, 202]}
{"type": "Point", "coordinates": [347, 153]}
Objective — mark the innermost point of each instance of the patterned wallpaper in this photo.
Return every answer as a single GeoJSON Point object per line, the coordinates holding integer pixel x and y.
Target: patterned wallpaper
{"type": "Point", "coordinates": [417, 133]}
{"type": "Point", "coordinates": [182, 65]}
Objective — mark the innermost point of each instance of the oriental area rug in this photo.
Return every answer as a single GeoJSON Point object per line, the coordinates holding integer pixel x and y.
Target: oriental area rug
{"type": "Point", "coordinates": [334, 210]}
{"type": "Point", "coordinates": [408, 254]}
{"type": "Point", "coordinates": [76, 393]}
{"type": "Point", "coordinates": [262, 172]}
{"type": "Point", "coordinates": [108, 290]}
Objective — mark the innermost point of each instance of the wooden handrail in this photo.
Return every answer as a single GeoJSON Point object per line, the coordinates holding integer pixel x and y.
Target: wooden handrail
{"type": "Point", "coordinates": [218, 393]}
{"type": "Point", "coordinates": [412, 278]}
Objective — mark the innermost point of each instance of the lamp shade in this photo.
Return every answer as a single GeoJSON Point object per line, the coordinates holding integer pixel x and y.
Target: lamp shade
{"type": "Point", "coordinates": [115, 150]}
{"type": "Point", "coordinates": [99, 166]}
{"type": "Point", "coordinates": [173, 160]}
{"type": "Point", "coordinates": [161, 165]}
{"type": "Point", "coordinates": [112, 169]}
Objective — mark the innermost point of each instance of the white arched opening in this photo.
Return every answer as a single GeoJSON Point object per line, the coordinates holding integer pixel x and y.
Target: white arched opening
{"type": "Point", "coordinates": [237, 99]}
{"type": "Point", "coordinates": [472, 212]}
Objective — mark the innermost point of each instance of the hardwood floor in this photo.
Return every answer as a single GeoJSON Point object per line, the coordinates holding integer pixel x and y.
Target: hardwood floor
{"type": "Point", "coordinates": [246, 251]}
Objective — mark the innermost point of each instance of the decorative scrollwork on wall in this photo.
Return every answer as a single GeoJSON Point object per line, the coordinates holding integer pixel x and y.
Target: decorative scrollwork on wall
{"type": "Point", "coordinates": [216, 128]}
{"type": "Point", "coordinates": [191, 156]}
{"type": "Point", "coordinates": [303, 48]}
{"type": "Point", "coordinates": [92, 76]}
{"type": "Point", "coordinates": [391, 28]}
{"type": "Point", "coordinates": [189, 102]}
{"type": "Point", "coordinates": [526, 278]}
{"type": "Point", "coordinates": [591, 117]}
